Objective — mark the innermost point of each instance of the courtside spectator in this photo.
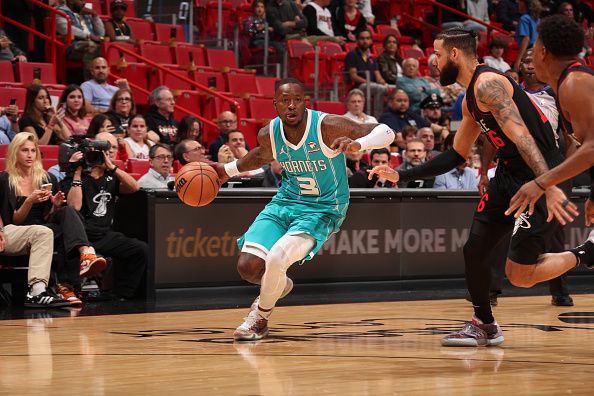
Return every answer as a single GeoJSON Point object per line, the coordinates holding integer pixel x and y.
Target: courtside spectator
{"type": "Point", "coordinates": [87, 29]}
{"type": "Point", "coordinates": [137, 142]}
{"type": "Point", "coordinates": [273, 175]}
{"type": "Point", "coordinates": [188, 151]}
{"type": "Point", "coordinates": [9, 51]}
{"type": "Point", "coordinates": [121, 108]}
{"type": "Point", "coordinates": [461, 177]}
{"type": "Point", "coordinates": [495, 60]}
{"type": "Point", "coordinates": [361, 65]}
{"type": "Point", "coordinates": [116, 28]}
{"type": "Point", "coordinates": [355, 162]}
{"type": "Point", "coordinates": [159, 116]}
{"type": "Point", "coordinates": [389, 61]}
{"type": "Point", "coordinates": [286, 19]}
{"type": "Point", "coordinates": [227, 122]}
{"type": "Point", "coordinates": [398, 115]}
{"type": "Point", "coordinates": [361, 180]}
{"type": "Point", "coordinates": [76, 118]}
{"type": "Point", "coordinates": [415, 155]}
{"type": "Point", "coordinates": [355, 103]}
{"type": "Point", "coordinates": [94, 195]}
{"type": "Point", "coordinates": [234, 149]}
{"type": "Point", "coordinates": [348, 20]}
{"type": "Point", "coordinates": [41, 119]}
{"type": "Point", "coordinates": [190, 127]}
{"type": "Point", "coordinates": [159, 174]}
{"type": "Point", "coordinates": [428, 138]}
{"type": "Point", "coordinates": [415, 86]}
{"type": "Point", "coordinates": [9, 123]}
{"type": "Point", "coordinates": [96, 90]}
{"type": "Point", "coordinates": [35, 199]}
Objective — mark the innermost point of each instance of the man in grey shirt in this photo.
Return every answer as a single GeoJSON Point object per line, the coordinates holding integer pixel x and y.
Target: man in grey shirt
{"type": "Point", "coordinates": [158, 174]}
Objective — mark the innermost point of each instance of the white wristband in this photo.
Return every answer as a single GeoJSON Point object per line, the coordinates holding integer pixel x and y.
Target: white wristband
{"type": "Point", "coordinates": [381, 136]}
{"type": "Point", "coordinates": [231, 168]}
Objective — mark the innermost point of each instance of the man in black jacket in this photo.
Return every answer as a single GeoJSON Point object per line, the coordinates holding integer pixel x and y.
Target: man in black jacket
{"type": "Point", "coordinates": [159, 117]}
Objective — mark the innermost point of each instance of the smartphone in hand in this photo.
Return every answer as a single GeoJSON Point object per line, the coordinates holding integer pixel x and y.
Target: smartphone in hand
{"type": "Point", "coordinates": [47, 186]}
{"type": "Point", "coordinates": [13, 102]}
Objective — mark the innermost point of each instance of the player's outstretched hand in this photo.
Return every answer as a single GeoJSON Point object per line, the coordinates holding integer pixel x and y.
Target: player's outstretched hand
{"type": "Point", "coordinates": [384, 172]}
{"type": "Point", "coordinates": [558, 206]}
{"type": "Point", "coordinates": [220, 168]}
{"type": "Point", "coordinates": [345, 144]}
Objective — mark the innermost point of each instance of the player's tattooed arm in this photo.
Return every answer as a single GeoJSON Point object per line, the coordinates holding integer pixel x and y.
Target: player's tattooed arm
{"type": "Point", "coordinates": [334, 127]}
{"type": "Point", "coordinates": [258, 156]}
{"type": "Point", "coordinates": [494, 94]}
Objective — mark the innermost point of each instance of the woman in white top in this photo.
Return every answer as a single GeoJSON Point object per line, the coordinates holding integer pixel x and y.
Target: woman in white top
{"type": "Point", "coordinates": [137, 142]}
{"type": "Point", "coordinates": [355, 103]}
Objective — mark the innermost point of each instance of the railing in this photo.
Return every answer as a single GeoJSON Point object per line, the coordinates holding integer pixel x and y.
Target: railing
{"type": "Point", "coordinates": [115, 47]}
{"type": "Point", "coordinates": [454, 11]}
{"type": "Point", "coordinates": [53, 39]}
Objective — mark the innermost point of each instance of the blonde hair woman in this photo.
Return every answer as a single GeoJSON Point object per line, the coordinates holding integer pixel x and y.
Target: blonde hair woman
{"type": "Point", "coordinates": [34, 198]}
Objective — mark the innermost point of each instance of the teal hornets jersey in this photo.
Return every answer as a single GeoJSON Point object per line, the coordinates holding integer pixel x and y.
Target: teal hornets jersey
{"type": "Point", "coordinates": [313, 174]}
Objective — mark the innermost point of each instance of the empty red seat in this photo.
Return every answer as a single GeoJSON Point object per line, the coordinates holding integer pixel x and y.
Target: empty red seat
{"type": "Point", "coordinates": [48, 151]}
{"type": "Point", "coordinates": [210, 79]}
{"type": "Point", "coordinates": [28, 71]}
{"type": "Point", "coordinates": [6, 72]}
{"type": "Point", "coordinates": [138, 166]}
{"type": "Point", "coordinates": [49, 162]}
{"type": "Point", "coordinates": [186, 53]}
{"type": "Point", "coordinates": [209, 21]}
{"type": "Point", "coordinates": [409, 52]}
{"type": "Point", "coordinates": [113, 55]}
{"type": "Point", "coordinates": [165, 32]}
{"type": "Point", "coordinates": [158, 53]}
{"type": "Point", "coordinates": [241, 83]}
{"type": "Point", "coordinates": [262, 109]}
{"type": "Point", "coordinates": [2, 164]}
{"type": "Point", "coordinates": [142, 29]}
{"type": "Point", "coordinates": [137, 76]}
{"type": "Point", "coordinates": [266, 85]}
{"type": "Point", "coordinates": [3, 150]}
{"type": "Point", "coordinates": [249, 128]}
{"type": "Point", "coordinates": [330, 107]}
{"type": "Point", "coordinates": [173, 81]}
{"type": "Point", "coordinates": [189, 100]}
{"type": "Point", "coordinates": [220, 59]}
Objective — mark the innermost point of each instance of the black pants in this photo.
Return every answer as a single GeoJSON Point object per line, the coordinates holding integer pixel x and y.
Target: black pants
{"type": "Point", "coordinates": [69, 235]}
{"type": "Point", "coordinates": [130, 257]}
{"type": "Point", "coordinates": [557, 286]}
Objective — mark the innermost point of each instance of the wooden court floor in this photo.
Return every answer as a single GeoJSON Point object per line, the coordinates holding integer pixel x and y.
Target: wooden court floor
{"type": "Point", "coordinates": [387, 348]}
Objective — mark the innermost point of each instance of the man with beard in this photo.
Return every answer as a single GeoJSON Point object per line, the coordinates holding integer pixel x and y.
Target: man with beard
{"type": "Point", "coordinates": [497, 107]}
{"type": "Point", "coordinates": [87, 28]}
{"type": "Point", "coordinates": [311, 202]}
{"type": "Point", "coordinates": [415, 155]}
{"type": "Point", "coordinates": [97, 91]}
{"type": "Point", "coordinates": [560, 40]}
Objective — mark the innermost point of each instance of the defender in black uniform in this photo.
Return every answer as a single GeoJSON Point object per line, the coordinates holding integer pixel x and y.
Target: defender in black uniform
{"type": "Point", "coordinates": [556, 62]}
{"type": "Point", "coordinates": [498, 108]}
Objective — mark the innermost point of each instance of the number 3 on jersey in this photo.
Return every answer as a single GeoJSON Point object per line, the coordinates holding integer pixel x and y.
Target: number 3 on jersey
{"type": "Point", "coordinates": [308, 186]}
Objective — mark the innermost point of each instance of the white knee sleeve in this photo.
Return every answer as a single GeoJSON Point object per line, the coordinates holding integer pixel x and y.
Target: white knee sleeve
{"type": "Point", "coordinates": [286, 251]}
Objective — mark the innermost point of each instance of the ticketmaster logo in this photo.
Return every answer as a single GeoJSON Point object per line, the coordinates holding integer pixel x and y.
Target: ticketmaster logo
{"type": "Point", "coordinates": [181, 244]}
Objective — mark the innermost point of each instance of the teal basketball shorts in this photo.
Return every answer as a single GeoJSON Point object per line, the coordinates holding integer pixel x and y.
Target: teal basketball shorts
{"type": "Point", "coordinates": [277, 220]}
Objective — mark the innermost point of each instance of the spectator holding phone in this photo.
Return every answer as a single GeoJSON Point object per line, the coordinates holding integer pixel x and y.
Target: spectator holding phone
{"type": "Point", "coordinates": [34, 198]}
{"type": "Point", "coordinates": [41, 119]}
{"type": "Point", "coordinates": [76, 118]}
{"type": "Point", "coordinates": [9, 125]}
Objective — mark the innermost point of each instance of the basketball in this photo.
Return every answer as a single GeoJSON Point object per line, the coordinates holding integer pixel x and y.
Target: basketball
{"type": "Point", "coordinates": [197, 184]}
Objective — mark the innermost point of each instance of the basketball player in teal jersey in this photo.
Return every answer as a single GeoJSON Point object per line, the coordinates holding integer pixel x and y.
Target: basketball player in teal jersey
{"type": "Point", "coordinates": [311, 203]}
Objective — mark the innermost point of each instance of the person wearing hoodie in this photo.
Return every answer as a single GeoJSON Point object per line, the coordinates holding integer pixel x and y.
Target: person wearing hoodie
{"type": "Point", "coordinates": [159, 117]}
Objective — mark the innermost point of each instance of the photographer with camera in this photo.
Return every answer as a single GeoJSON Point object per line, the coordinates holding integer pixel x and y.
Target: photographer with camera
{"type": "Point", "coordinates": [33, 198]}
{"type": "Point", "coordinates": [93, 192]}
{"type": "Point", "coordinates": [41, 119]}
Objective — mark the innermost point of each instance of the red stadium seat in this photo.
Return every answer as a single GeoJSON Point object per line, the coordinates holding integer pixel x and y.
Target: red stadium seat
{"type": "Point", "coordinates": [221, 59]}
{"type": "Point", "coordinates": [210, 19]}
{"type": "Point", "coordinates": [409, 52]}
{"type": "Point", "coordinates": [158, 53]}
{"type": "Point", "coordinates": [142, 29]}
{"type": "Point", "coordinates": [330, 107]}
{"type": "Point", "coordinates": [262, 109]}
{"type": "Point", "coordinates": [114, 56]}
{"type": "Point", "coordinates": [185, 53]}
{"type": "Point", "coordinates": [136, 74]}
{"type": "Point", "coordinates": [241, 83]}
{"type": "Point", "coordinates": [266, 85]}
{"type": "Point", "coordinates": [302, 61]}
{"type": "Point", "coordinates": [138, 166]}
{"type": "Point", "coordinates": [3, 150]}
{"type": "Point", "coordinates": [26, 72]}
{"type": "Point", "coordinates": [165, 32]}
{"type": "Point", "coordinates": [173, 82]}
{"type": "Point", "coordinates": [6, 72]}
{"type": "Point", "coordinates": [249, 128]}
{"type": "Point", "coordinates": [48, 151]}
{"type": "Point", "coordinates": [8, 93]}
{"type": "Point", "coordinates": [211, 79]}
{"type": "Point", "coordinates": [49, 162]}
{"type": "Point", "coordinates": [2, 164]}
{"type": "Point", "coordinates": [190, 100]}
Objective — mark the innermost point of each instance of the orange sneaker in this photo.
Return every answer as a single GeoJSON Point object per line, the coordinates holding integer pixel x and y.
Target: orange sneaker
{"type": "Point", "coordinates": [67, 294]}
{"type": "Point", "coordinates": [91, 265]}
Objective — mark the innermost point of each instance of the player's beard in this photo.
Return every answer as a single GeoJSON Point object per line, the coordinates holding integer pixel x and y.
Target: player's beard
{"type": "Point", "coordinates": [449, 74]}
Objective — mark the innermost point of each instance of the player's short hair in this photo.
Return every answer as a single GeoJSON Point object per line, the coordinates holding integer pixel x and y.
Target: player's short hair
{"type": "Point", "coordinates": [463, 39]}
{"type": "Point", "coordinates": [561, 36]}
{"type": "Point", "coordinates": [289, 80]}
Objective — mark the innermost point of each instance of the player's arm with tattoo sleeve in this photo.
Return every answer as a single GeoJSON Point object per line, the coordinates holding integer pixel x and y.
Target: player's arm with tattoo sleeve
{"type": "Point", "coordinates": [494, 94]}
{"type": "Point", "coordinates": [347, 135]}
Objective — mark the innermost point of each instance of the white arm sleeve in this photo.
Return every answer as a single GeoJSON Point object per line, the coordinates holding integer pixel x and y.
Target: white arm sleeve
{"type": "Point", "coordinates": [379, 137]}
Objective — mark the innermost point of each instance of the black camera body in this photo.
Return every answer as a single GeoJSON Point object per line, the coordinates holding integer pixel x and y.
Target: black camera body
{"type": "Point", "coordinates": [92, 151]}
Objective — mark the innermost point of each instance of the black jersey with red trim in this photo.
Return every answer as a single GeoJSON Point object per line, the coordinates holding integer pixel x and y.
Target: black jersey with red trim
{"type": "Point", "coordinates": [537, 123]}
{"type": "Point", "coordinates": [574, 67]}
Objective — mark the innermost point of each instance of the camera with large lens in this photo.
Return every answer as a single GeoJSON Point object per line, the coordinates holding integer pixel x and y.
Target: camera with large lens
{"type": "Point", "coordinates": [92, 151]}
